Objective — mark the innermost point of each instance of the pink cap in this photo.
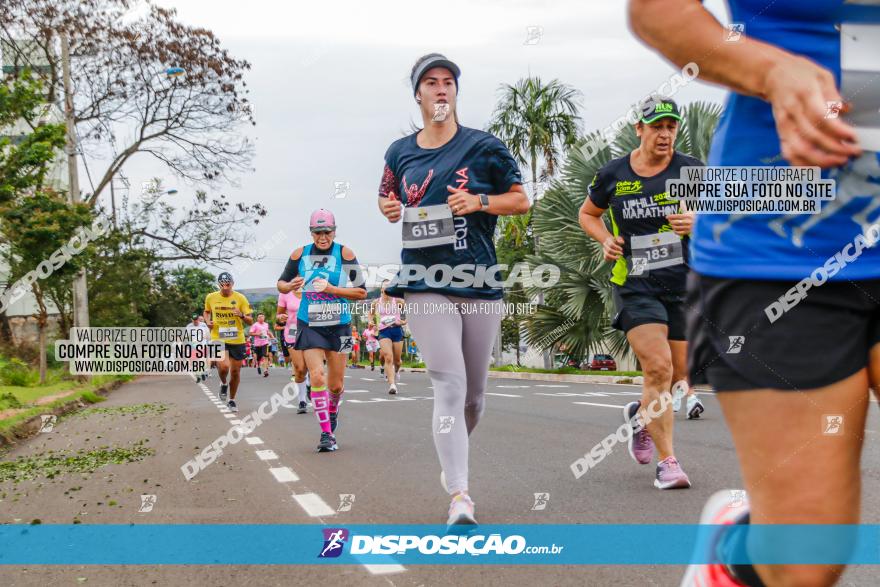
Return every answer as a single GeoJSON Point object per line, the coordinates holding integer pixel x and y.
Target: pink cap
{"type": "Point", "coordinates": [322, 218]}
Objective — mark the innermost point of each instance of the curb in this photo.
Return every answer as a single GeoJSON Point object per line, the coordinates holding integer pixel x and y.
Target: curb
{"type": "Point", "coordinates": [31, 427]}
{"type": "Point", "coordinates": [558, 377]}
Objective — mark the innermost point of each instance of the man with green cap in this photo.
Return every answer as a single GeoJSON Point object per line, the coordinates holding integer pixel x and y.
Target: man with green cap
{"type": "Point", "coordinates": [649, 248]}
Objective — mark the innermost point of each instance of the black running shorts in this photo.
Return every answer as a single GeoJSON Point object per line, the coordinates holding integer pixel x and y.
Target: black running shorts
{"type": "Point", "coordinates": [236, 351]}
{"type": "Point", "coordinates": [635, 309]}
{"type": "Point", "coordinates": [332, 338]}
{"type": "Point", "coordinates": [748, 334]}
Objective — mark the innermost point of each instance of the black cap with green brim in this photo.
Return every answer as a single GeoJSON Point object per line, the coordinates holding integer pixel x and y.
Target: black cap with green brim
{"type": "Point", "coordinates": [654, 110]}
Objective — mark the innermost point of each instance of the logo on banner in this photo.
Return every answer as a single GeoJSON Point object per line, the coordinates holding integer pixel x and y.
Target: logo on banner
{"type": "Point", "coordinates": [334, 540]}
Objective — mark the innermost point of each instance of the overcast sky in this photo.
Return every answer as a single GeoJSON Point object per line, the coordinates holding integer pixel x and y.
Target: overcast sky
{"type": "Point", "coordinates": [330, 87]}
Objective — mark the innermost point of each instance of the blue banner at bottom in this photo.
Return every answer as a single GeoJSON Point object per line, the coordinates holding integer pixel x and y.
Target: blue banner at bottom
{"type": "Point", "coordinates": [642, 544]}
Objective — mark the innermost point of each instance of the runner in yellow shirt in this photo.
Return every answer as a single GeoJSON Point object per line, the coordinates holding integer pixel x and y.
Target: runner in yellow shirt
{"type": "Point", "coordinates": [226, 313]}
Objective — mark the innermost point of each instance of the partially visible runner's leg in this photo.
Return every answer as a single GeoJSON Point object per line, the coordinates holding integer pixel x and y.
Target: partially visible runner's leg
{"type": "Point", "coordinates": [397, 350]}
{"type": "Point", "coordinates": [479, 329]}
{"type": "Point", "coordinates": [335, 385]}
{"type": "Point", "coordinates": [387, 358]}
{"type": "Point", "coordinates": [874, 370]}
{"type": "Point", "coordinates": [222, 372]}
{"type": "Point", "coordinates": [789, 477]}
{"type": "Point", "coordinates": [320, 396]}
{"type": "Point", "coordinates": [299, 377]}
{"type": "Point", "coordinates": [694, 407]}
{"type": "Point", "coordinates": [439, 337]}
{"type": "Point", "coordinates": [456, 351]}
{"type": "Point", "coordinates": [651, 345]}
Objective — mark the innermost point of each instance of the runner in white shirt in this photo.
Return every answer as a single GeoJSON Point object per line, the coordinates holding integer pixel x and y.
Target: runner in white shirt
{"type": "Point", "coordinates": [198, 323]}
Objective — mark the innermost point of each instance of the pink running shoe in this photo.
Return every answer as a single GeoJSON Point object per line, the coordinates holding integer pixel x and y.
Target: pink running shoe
{"type": "Point", "coordinates": [670, 475]}
{"type": "Point", "coordinates": [640, 445]}
{"type": "Point", "coordinates": [722, 509]}
{"type": "Point", "coordinates": [461, 512]}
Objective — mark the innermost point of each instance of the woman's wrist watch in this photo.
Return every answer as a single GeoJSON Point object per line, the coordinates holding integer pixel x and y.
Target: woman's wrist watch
{"type": "Point", "coordinates": [484, 201]}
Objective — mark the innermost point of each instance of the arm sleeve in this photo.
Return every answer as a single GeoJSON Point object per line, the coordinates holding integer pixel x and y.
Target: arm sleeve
{"type": "Point", "coordinates": [503, 169]}
{"type": "Point", "coordinates": [599, 191]}
{"type": "Point", "coordinates": [355, 275]}
{"type": "Point", "coordinates": [291, 270]}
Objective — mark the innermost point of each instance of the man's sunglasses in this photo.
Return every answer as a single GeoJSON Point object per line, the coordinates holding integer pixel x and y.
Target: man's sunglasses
{"type": "Point", "coordinates": [322, 230]}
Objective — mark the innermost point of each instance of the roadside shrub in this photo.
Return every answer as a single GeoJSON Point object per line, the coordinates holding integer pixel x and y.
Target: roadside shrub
{"type": "Point", "coordinates": [9, 401]}
{"type": "Point", "coordinates": [16, 372]}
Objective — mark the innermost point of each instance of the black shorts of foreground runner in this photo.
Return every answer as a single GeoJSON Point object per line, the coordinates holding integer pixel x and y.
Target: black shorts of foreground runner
{"type": "Point", "coordinates": [332, 338]}
{"type": "Point", "coordinates": [758, 335]}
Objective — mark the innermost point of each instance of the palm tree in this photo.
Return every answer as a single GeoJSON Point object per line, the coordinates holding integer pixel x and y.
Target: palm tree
{"type": "Point", "coordinates": [579, 308]}
{"type": "Point", "coordinates": [537, 122]}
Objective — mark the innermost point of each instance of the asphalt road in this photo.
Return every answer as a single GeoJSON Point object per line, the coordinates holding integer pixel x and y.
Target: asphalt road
{"type": "Point", "coordinates": [529, 436]}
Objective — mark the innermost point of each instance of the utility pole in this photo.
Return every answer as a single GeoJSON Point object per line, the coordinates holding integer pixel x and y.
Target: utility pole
{"type": "Point", "coordinates": [80, 285]}
{"type": "Point", "coordinates": [113, 201]}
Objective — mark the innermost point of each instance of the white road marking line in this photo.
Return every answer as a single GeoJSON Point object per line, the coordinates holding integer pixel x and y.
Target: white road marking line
{"type": "Point", "coordinates": [253, 440]}
{"type": "Point", "coordinates": [266, 455]}
{"type": "Point", "coordinates": [384, 569]}
{"type": "Point", "coordinates": [229, 416]}
{"type": "Point", "coordinates": [313, 505]}
{"type": "Point", "coordinates": [357, 391]}
{"type": "Point", "coordinates": [503, 394]}
{"type": "Point", "coordinates": [600, 405]}
{"type": "Point", "coordinates": [376, 400]}
{"type": "Point", "coordinates": [513, 386]}
{"type": "Point", "coordinates": [284, 474]}
{"type": "Point", "coordinates": [236, 421]}
{"type": "Point", "coordinates": [546, 385]}
{"type": "Point", "coordinates": [368, 379]}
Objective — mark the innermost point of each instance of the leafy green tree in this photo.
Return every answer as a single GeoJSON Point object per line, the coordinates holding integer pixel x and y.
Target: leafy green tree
{"type": "Point", "coordinates": [121, 285]}
{"type": "Point", "coordinates": [194, 284]}
{"type": "Point", "coordinates": [25, 159]}
{"type": "Point", "coordinates": [34, 222]}
{"type": "Point", "coordinates": [578, 310]}
{"type": "Point", "coordinates": [38, 229]}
